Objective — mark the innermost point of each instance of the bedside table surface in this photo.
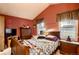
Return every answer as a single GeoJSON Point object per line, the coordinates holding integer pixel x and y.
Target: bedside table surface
{"type": "Point", "coordinates": [72, 42]}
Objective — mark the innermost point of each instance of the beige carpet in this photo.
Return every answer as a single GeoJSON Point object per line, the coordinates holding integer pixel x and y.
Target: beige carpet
{"type": "Point", "coordinates": [6, 52]}
{"type": "Point", "coordinates": [58, 52]}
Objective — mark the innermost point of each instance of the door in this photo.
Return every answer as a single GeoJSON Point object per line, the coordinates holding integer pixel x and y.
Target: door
{"type": "Point", "coordinates": [2, 33]}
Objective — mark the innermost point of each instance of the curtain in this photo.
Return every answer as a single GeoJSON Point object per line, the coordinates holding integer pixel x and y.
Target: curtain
{"type": "Point", "coordinates": [69, 15]}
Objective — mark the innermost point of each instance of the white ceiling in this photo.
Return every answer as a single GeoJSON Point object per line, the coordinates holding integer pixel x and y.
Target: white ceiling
{"type": "Point", "coordinates": [23, 10]}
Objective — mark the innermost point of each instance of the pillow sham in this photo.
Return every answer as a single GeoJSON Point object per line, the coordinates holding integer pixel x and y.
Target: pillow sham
{"type": "Point", "coordinates": [52, 38]}
{"type": "Point", "coordinates": [41, 37]}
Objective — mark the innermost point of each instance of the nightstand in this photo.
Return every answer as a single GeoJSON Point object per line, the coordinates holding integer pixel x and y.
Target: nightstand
{"type": "Point", "coordinates": [69, 48]}
{"type": "Point", "coordinates": [78, 50]}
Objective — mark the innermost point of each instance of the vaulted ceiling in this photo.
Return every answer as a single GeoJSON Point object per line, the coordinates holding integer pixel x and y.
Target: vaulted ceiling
{"type": "Point", "coordinates": [23, 10]}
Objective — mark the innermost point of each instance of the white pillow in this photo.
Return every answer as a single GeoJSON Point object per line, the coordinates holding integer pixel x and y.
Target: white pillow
{"type": "Point", "coordinates": [50, 36]}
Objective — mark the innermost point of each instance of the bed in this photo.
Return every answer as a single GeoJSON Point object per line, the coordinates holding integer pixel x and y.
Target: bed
{"type": "Point", "coordinates": [34, 46]}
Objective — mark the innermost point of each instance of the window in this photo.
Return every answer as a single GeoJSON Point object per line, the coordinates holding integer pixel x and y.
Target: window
{"type": "Point", "coordinates": [68, 28]}
{"type": "Point", "coordinates": [40, 27]}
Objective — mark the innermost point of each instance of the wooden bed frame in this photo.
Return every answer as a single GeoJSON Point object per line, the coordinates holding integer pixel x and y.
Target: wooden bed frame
{"type": "Point", "coordinates": [55, 33]}
{"type": "Point", "coordinates": [18, 49]}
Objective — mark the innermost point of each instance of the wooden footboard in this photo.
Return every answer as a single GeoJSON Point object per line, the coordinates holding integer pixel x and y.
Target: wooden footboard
{"type": "Point", "coordinates": [18, 49]}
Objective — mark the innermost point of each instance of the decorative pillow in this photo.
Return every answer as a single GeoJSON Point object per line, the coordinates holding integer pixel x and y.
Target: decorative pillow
{"type": "Point", "coordinates": [41, 37]}
{"type": "Point", "coordinates": [52, 38]}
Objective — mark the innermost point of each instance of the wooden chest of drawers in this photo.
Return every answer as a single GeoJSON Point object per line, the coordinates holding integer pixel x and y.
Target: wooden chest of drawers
{"type": "Point", "coordinates": [69, 48]}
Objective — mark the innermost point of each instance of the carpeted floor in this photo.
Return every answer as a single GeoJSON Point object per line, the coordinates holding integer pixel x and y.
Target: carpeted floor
{"type": "Point", "coordinates": [58, 52]}
{"type": "Point", "coordinates": [7, 51]}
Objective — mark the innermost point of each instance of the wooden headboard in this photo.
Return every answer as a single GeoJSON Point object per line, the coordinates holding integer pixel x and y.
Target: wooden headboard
{"type": "Point", "coordinates": [55, 33]}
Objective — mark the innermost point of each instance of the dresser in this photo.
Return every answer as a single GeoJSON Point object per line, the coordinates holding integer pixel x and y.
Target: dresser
{"type": "Point", "coordinates": [25, 33]}
{"type": "Point", "coordinates": [69, 48]}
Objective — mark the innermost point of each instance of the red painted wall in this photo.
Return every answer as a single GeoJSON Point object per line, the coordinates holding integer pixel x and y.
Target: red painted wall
{"type": "Point", "coordinates": [15, 22]}
{"type": "Point", "coordinates": [50, 13]}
